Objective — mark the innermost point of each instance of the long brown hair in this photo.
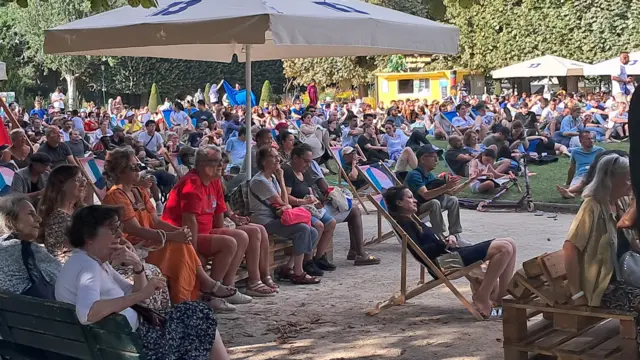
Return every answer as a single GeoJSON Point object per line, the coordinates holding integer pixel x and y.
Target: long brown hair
{"type": "Point", "coordinates": [391, 197]}
{"type": "Point", "coordinates": [53, 193]}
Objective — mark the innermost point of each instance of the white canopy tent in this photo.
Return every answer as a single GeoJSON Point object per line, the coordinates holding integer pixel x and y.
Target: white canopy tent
{"type": "Point", "coordinates": [215, 30]}
{"type": "Point", "coordinates": [608, 67]}
{"type": "Point", "coordinates": [3, 71]}
{"type": "Point", "coordinates": [544, 66]}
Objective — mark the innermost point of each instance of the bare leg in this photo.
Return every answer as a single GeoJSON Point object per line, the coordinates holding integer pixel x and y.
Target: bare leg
{"type": "Point", "coordinates": [242, 242]}
{"type": "Point", "coordinates": [486, 187]}
{"type": "Point", "coordinates": [562, 149]}
{"type": "Point", "coordinates": [500, 255]}
{"type": "Point", "coordinates": [503, 166]}
{"type": "Point", "coordinates": [354, 222]}
{"type": "Point", "coordinates": [218, 351]}
{"type": "Point", "coordinates": [407, 160]}
{"type": "Point", "coordinates": [222, 248]}
{"type": "Point", "coordinates": [326, 237]}
{"type": "Point", "coordinates": [207, 284]}
{"type": "Point", "coordinates": [253, 251]}
{"type": "Point", "coordinates": [507, 273]}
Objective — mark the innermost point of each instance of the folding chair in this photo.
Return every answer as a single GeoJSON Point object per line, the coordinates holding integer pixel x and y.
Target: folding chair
{"type": "Point", "coordinates": [337, 155]}
{"type": "Point", "coordinates": [440, 278]}
{"type": "Point", "coordinates": [449, 115]}
{"type": "Point", "coordinates": [378, 181]}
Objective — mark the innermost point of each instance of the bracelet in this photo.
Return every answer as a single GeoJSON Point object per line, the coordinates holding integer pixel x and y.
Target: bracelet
{"type": "Point", "coordinates": [139, 272]}
{"type": "Point", "coordinates": [163, 236]}
{"type": "Point", "coordinates": [578, 295]}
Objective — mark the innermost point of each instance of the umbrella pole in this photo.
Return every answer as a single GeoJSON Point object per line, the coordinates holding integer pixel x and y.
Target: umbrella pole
{"type": "Point", "coordinates": [247, 116]}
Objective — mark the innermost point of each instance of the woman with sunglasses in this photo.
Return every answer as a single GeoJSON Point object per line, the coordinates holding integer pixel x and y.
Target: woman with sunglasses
{"type": "Point", "coordinates": [168, 247]}
{"type": "Point", "coordinates": [87, 281]}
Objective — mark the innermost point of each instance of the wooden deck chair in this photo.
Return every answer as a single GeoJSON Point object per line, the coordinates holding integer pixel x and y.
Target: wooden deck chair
{"type": "Point", "coordinates": [440, 278]}
{"type": "Point", "coordinates": [337, 155]}
{"type": "Point", "coordinates": [378, 181]}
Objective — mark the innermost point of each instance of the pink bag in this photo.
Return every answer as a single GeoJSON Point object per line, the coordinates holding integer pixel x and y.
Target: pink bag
{"type": "Point", "coordinates": [298, 215]}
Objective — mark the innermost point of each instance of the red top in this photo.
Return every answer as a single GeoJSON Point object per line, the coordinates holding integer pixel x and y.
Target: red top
{"type": "Point", "coordinates": [190, 195]}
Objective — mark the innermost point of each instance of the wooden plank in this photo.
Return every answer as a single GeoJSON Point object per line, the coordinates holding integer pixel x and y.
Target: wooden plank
{"type": "Point", "coordinates": [114, 323]}
{"type": "Point", "coordinates": [543, 292]}
{"type": "Point", "coordinates": [53, 344]}
{"type": "Point", "coordinates": [531, 268]}
{"type": "Point", "coordinates": [590, 339]}
{"type": "Point", "coordinates": [567, 309]}
{"type": "Point", "coordinates": [573, 322]}
{"type": "Point", "coordinates": [117, 342]}
{"type": "Point", "coordinates": [119, 355]}
{"type": "Point", "coordinates": [605, 350]}
{"type": "Point", "coordinates": [44, 326]}
{"type": "Point", "coordinates": [552, 265]}
{"type": "Point", "coordinates": [36, 307]}
{"type": "Point", "coordinates": [546, 344]}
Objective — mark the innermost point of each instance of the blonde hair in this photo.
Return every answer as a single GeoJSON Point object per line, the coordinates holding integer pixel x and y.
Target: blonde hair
{"type": "Point", "coordinates": [608, 168]}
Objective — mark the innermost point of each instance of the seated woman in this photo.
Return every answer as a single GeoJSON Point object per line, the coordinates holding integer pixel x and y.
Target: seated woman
{"type": "Point", "coordinates": [267, 200]}
{"type": "Point", "coordinates": [63, 195]}
{"type": "Point", "coordinates": [591, 250]}
{"type": "Point", "coordinates": [19, 226]}
{"type": "Point", "coordinates": [20, 151]}
{"type": "Point", "coordinates": [286, 142]}
{"type": "Point", "coordinates": [169, 246]}
{"type": "Point", "coordinates": [500, 252]}
{"type": "Point", "coordinates": [470, 141]}
{"type": "Point", "coordinates": [396, 141]}
{"type": "Point", "coordinates": [547, 145]}
{"type": "Point", "coordinates": [87, 280]}
{"type": "Point", "coordinates": [481, 169]}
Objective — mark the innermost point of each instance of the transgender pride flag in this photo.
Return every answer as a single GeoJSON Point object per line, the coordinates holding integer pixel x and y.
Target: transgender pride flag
{"type": "Point", "coordinates": [6, 178]}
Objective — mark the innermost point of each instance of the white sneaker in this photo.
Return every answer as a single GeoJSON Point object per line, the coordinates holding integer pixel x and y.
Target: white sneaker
{"type": "Point", "coordinates": [239, 299]}
{"type": "Point", "coordinates": [221, 306]}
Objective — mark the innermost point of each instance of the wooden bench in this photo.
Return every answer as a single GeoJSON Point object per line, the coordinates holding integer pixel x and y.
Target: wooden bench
{"type": "Point", "coordinates": [34, 329]}
{"type": "Point", "coordinates": [538, 318]}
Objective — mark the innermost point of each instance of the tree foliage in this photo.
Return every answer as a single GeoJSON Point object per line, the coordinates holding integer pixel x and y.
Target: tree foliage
{"type": "Point", "coordinates": [207, 89]}
{"type": "Point", "coordinates": [266, 93]}
{"type": "Point", "coordinates": [504, 32]}
{"type": "Point", "coordinates": [95, 5]}
{"type": "Point", "coordinates": [154, 98]}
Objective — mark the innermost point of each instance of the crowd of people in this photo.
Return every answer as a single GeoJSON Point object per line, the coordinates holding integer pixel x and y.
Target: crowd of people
{"type": "Point", "coordinates": [180, 214]}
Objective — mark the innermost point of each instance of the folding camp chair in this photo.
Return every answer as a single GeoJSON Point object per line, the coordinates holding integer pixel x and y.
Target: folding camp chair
{"type": "Point", "coordinates": [337, 155]}
{"type": "Point", "coordinates": [378, 181]}
{"type": "Point", "coordinates": [439, 277]}
{"type": "Point", "coordinates": [449, 115]}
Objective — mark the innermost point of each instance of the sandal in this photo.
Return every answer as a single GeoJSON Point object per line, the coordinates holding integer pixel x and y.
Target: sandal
{"type": "Point", "coordinates": [218, 285]}
{"type": "Point", "coordinates": [284, 273]}
{"type": "Point", "coordinates": [259, 289]}
{"type": "Point", "coordinates": [304, 279]}
{"type": "Point", "coordinates": [366, 259]}
{"type": "Point", "coordinates": [221, 306]}
{"type": "Point", "coordinates": [270, 283]}
{"type": "Point", "coordinates": [351, 255]}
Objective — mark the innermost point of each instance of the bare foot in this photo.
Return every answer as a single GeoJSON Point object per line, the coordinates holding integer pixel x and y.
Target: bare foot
{"type": "Point", "coordinates": [565, 193]}
{"type": "Point", "coordinates": [483, 307]}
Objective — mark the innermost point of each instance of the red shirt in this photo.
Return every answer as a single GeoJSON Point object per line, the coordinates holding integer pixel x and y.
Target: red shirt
{"type": "Point", "coordinates": [190, 195]}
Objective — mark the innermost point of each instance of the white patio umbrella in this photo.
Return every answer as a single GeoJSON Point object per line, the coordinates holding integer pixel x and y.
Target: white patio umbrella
{"type": "Point", "coordinates": [215, 30]}
{"type": "Point", "coordinates": [544, 66]}
{"type": "Point", "coordinates": [611, 66]}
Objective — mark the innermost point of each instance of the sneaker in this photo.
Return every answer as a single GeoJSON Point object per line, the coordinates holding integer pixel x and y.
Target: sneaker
{"type": "Point", "coordinates": [462, 242]}
{"type": "Point", "coordinates": [323, 264]}
{"type": "Point", "coordinates": [221, 306]}
{"type": "Point", "coordinates": [312, 269]}
{"type": "Point", "coordinates": [238, 299]}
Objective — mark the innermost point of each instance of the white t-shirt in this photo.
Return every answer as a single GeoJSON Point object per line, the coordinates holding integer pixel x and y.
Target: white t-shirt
{"type": "Point", "coordinates": [180, 118]}
{"type": "Point", "coordinates": [621, 72]}
{"type": "Point", "coordinates": [616, 114]}
{"type": "Point", "coordinates": [537, 109]}
{"type": "Point", "coordinates": [150, 142]}
{"type": "Point", "coordinates": [57, 100]}
{"type": "Point", "coordinates": [213, 93]}
{"type": "Point", "coordinates": [83, 281]}
{"type": "Point", "coordinates": [547, 114]}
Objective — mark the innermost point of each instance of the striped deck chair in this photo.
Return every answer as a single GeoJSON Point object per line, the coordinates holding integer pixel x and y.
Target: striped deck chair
{"type": "Point", "coordinates": [439, 278]}
{"type": "Point", "coordinates": [92, 170]}
{"type": "Point", "coordinates": [6, 179]}
{"type": "Point", "coordinates": [337, 155]}
{"type": "Point", "coordinates": [378, 181]}
{"type": "Point", "coordinates": [449, 115]}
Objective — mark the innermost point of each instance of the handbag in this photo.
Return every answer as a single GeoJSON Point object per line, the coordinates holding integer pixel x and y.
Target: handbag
{"type": "Point", "coordinates": [287, 217]}
{"type": "Point", "coordinates": [150, 316]}
{"type": "Point", "coordinates": [40, 287]}
{"type": "Point", "coordinates": [630, 269]}
{"type": "Point", "coordinates": [450, 261]}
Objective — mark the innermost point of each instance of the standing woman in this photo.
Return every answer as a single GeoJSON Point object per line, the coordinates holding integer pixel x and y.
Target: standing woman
{"type": "Point", "coordinates": [87, 280]}
{"type": "Point", "coordinates": [57, 99]}
{"type": "Point", "coordinates": [20, 151]}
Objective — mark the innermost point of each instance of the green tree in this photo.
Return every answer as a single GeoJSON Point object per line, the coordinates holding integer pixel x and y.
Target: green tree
{"type": "Point", "coordinates": [207, 89]}
{"type": "Point", "coordinates": [94, 4]}
{"type": "Point", "coordinates": [31, 22]}
{"type": "Point", "coordinates": [154, 98]}
{"type": "Point", "coordinates": [267, 93]}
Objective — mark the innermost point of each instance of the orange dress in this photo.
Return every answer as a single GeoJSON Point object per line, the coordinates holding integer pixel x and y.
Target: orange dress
{"type": "Point", "coordinates": [177, 261]}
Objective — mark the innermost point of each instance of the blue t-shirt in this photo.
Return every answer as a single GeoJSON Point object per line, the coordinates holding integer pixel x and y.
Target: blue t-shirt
{"type": "Point", "coordinates": [569, 124]}
{"type": "Point", "coordinates": [416, 179]}
{"type": "Point", "coordinates": [397, 120]}
{"type": "Point", "coordinates": [584, 159]}
{"type": "Point", "coordinates": [298, 112]}
{"type": "Point", "coordinates": [38, 112]}
{"type": "Point", "coordinates": [349, 140]}
{"type": "Point", "coordinates": [237, 150]}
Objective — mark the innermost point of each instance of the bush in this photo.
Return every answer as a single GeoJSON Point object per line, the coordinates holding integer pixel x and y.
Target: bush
{"type": "Point", "coordinates": [154, 98]}
{"type": "Point", "coordinates": [207, 88]}
{"type": "Point", "coordinates": [266, 94]}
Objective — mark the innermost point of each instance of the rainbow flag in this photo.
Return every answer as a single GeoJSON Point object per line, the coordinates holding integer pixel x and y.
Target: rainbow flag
{"type": "Point", "coordinates": [94, 169]}
{"type": "Point", "coordinates": [6, 178]}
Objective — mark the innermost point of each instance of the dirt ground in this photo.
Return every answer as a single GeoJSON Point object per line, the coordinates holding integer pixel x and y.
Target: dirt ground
{"type": "Point", "coordinates": [328, 321]}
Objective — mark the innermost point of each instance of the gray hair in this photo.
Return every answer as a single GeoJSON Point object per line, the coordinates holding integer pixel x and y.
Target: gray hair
{"type": "Point", "coordinates": [170, 134]}
{"type": "Point", "coordinates": [16, 134]}
{"type": "Point", "coordinates": [608, 168]}
{"type": "Point", "coordinates": [205, 152]}
{"type": "Point", "coordinates": [9, 208]}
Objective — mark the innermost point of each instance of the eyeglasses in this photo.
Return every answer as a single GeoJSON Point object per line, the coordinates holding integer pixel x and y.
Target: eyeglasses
{"type": "Point", "coordinates": [116, 228]}
{"type": "Point", "coordinates": [80, 180]}
{"type": "Point", "coordinates": [137, 167]}
{"type": "Point", "coordinates": [213, 162]}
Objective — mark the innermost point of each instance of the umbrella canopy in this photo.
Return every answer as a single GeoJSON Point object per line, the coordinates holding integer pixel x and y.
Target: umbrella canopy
{"type": "Point", "coordinates": [277, 29]}
{"type": "Point", "coordinates": [612, 66]}
{"type": "Point", "coordinates": [543, 66]}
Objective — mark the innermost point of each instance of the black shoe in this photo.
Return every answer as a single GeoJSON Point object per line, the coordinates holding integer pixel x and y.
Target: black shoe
{"type": "Point", "coordinates": [324, 264]}
{"type": "Point", "coordinates": [312, 269]}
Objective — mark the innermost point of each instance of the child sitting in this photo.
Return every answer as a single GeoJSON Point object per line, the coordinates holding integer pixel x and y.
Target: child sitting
{"type": "Point", "coordinates": [486, 177]}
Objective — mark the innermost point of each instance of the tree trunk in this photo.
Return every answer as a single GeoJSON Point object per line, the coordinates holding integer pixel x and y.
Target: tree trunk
{"type": "Point", "coordinates": [71, 91]}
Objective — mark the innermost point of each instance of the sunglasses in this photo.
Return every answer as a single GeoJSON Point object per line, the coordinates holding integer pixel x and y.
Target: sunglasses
{"type": "Point", "coordinates": [137, 167]}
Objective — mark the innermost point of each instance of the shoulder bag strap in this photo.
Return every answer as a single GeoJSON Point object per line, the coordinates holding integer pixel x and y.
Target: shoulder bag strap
{"type": "Point", "coordinates": [27, 258]}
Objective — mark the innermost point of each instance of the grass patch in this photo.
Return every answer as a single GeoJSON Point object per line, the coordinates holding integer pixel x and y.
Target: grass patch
{"type": "Point", "coordinates": [543, 184]}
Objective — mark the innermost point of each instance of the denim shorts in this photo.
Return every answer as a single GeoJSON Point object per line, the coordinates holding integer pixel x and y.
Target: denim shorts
{"type": "Point", "coordinates": [325, 219]}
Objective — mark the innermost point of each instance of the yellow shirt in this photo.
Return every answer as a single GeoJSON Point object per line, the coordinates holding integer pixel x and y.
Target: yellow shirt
{"type": "Point", "coordinates": [593, 232]}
